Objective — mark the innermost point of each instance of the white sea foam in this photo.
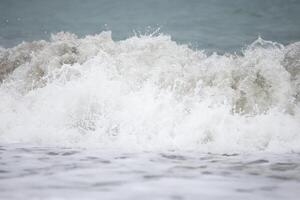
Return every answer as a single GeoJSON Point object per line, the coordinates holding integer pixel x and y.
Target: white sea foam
{"type": "Point", "coordinates": [148, 93]}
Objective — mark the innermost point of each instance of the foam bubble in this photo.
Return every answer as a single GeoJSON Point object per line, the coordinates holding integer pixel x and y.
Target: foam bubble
{"type": "Point", "coordinates": [148, 92]}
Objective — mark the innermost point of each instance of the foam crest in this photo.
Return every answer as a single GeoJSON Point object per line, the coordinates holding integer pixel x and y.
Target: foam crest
{"type": "Point", "coordinates": [148, 92]}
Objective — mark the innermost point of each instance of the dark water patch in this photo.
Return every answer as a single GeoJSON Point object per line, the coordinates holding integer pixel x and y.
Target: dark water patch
{"type": "Point", "coordinates": [95, 160]}
{"type": "Point", "coordinates": [108, 183]}
{"type": "Point", "coordinates": [176, 197]}
{"type": "Point", "coordinates": [69, 153]}
{"type": "Point", "coordinates": [243, 190]}
{"type": "Point", "coordinates": [153, 177]}
{"type": "Point", "coordinates": [260, 161]}
{"type": "Point", "coordinates": [230, 155]}
{"type": "Point", "coordinates": [173, 157]}
{"type": "Point", "coordinates": [43, 158]}
{"type": "Point", "coordinates": [283, 166]}
{"type": "Point", "coordinates": [121, 157]}
{"type": "Point", "coordinates": [226, 173]}
{"type": "Point", "coordinates": [280, 177]}
{"type": "Point", "coordinates": [206, 158]}
{"type": "Point", "coordinates": [215, 161]}
{"type": "Point", "coordinates": [40, 149]}
{"type": "Point", "coordinates": [52, 153]}
{"type": "Point", "coordinates": [254, 173]}
{"type": "Point", "coordinates": [240, 167]}
{"type": "Point", "coordinates": [72, 166]}
{"type": "Point", "coordinates": [200, 167]}
{"type": "Point", "coordinates": [91, 158]}
{"type": "Point", "coordinates": [206, 172]}
{"type": "Point", "coordinates": [17, 156]}
{"type": "Point", "coordinates": [268, 188]}
{"type": "Point", "coordinates": [124, 156]}
{"type": "Point", "coordinates": [74, 186]}
{"type": "Point", "coordinates": [186, 167]}
{"type": "Point", "coordinates": [104, 161]}
{"type": "Point", "coordinates": [27, 150]}
{"type": "Point", "coordinates": [26, 173]}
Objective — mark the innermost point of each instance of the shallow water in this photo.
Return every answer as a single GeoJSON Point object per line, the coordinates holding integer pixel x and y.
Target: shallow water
{"type": "Point", "coordinates": [30, 172]}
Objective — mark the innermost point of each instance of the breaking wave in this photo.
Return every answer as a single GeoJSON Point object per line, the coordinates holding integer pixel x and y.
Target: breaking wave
{"type": "Point", "coordinates": [150, 93]}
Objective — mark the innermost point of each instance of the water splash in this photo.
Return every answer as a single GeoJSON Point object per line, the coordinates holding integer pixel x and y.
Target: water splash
{"type": "Point", "coordinates": [148, 92]}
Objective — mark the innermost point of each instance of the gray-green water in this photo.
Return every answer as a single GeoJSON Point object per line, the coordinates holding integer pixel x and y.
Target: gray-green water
{"type": "Point", "coordinates": [206, 24]}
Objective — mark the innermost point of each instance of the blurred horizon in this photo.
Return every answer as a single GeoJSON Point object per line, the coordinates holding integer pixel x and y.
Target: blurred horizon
{"type": "Point", "coordinates": [211, 25]}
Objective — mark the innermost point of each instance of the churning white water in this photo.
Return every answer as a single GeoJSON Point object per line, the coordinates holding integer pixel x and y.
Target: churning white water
{"type": "Point", "coordinates": [116, 117]}
{"type": "Point", "coordinates": [147, 118]}
{"type": "Point", "coordinates": [150, 93]}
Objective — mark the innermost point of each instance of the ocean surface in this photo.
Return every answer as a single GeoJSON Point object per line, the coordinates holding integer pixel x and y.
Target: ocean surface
{"type": "Point", "coordinates": [150, 99]}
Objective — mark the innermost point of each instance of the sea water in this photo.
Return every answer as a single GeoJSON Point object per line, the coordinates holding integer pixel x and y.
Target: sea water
{"type": "Point", "coordinates": [31, 172]}
{"type": "Point", "coordinates": [203, 106]}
